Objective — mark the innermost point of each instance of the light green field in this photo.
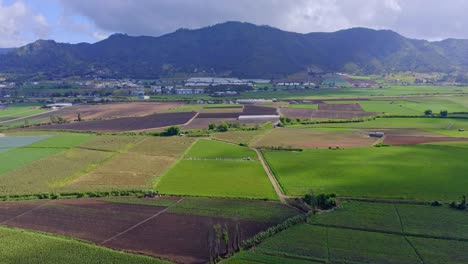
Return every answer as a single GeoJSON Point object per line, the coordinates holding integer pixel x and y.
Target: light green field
{"type": "Point", "coordinates": [19, 157]}
{"type": "Point", "coordinates": [426, 172]}
{"type": "Point", "coordinates": [20, 110]}
{"type": "Point", "coordinates": [51, 174]}
{"type": "Point", "coordinates": [211, 149]}
{"type": "Point", "coordinates": [438, 124]}
{"type": "Point", "coordinates": [217, 178]}
{"type": "Point", "coordinates": [307, 106]}
{"type": "Point", "coordinates": [23, 247]}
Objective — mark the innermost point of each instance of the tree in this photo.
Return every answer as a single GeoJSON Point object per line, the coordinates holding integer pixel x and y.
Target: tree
{"type": "Point", "coordinates": [212, 126]}
{"type": "Point", "coordinates": [443, 113]}
{"type": "Point", "coordinates": [222, 127]}
{"type": "Point", "coordinates": [79, 117]}
{"type": "Point", "coordinates": [171, 131]}
{"type": "Point", "coordinates": [428, 112]}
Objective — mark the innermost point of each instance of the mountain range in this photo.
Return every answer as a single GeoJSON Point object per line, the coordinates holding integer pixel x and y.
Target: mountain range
{"type": "Point", "coordinates": [240, 50]}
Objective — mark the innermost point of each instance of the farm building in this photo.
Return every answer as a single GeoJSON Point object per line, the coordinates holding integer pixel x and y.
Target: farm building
{"type": "Point", "coordinates": [255, 101]}
{"type": "Point", "coordinates": [57, 105]}
{"type": "Point", "coordinates": [376, 134]}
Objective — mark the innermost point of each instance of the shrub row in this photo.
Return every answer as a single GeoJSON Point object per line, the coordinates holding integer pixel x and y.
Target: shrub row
{"type": "Point", "coordinates": [260, 237]}
{"type": "Point", "coordinates": [40, 196]}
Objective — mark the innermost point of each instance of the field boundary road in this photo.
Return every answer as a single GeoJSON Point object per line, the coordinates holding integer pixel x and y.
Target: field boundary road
{"type": "Point", "coordinates": [24, 117]}
{"type": "Point", "coordinates": [272, 178]}
{"type": "Point", "coordinates": [142, 222]}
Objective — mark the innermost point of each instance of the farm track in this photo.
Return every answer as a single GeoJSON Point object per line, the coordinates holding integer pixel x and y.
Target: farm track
{"type": "Point", "coordinates": [24, 117]}
{"type": "Point", "coordinates": [272, 178]}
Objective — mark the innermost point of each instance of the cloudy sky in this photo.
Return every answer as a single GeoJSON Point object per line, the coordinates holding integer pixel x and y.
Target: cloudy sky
{"type": "Point", "coordinates": [23, 21]}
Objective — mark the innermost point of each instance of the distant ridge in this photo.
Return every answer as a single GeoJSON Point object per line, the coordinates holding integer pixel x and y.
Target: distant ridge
{"type": "Point", "coordinates": [238, 49]}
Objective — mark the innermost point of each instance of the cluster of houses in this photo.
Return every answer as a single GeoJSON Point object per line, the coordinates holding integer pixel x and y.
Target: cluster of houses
{"type": "Point", "coordinates": [215, 81]}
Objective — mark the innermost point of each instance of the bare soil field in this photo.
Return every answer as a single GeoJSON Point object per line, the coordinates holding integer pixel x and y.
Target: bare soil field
{"type": "Point", "coordinates": [181, 238]}
{"type": "Point", "coordinates": [413, 140]}
{"type": "Point", "coordinates": [296, 112]}
{"type": "Point", "coordinates": [125, 123]}
{"type": "Point", "coordinates": [9, 210]}
{"type": "Point", "coordinates": [327, 111]}
{"type": "Point", "coordinates": [86, 219]}
{"type": "Point", "coordinates": [259, 110]}
{"type": "Point", "coordinates": [139, 228]}
{"type": "Point", "coordinates": [114, 110]}
{"type": "Point", "coordinates": [306, 138]}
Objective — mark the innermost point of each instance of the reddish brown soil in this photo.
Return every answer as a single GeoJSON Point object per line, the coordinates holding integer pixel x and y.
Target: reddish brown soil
{"type": "Point", "coordinates": [259, 110]}
{"type": "Point", "coordinates": [125, 123]}
{"type": "Point", "coordinates": [297, 112]}
{"type": "Point", "coordinates": [411, 140]}
{"type": "Point", "coordinates": [9, 210]}
{"type": "Point", "coordinates": [129, 227]}
{"type": "Point", "coordinates": [85, 219]}
{"type": "Point", "coordinates": [183, 238]}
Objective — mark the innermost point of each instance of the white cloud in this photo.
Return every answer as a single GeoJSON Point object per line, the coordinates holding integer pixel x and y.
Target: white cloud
{"type": "Point", "coordinates": [20, 25]}
{"type": "Point", "coordinates": [416, 18]}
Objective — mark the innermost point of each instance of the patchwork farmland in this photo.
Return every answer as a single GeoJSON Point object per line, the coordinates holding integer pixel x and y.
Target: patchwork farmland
{"type": "Point", "coordinates": [125, 194]}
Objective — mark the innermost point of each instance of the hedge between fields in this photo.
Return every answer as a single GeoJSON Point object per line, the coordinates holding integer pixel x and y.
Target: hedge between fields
{"type": "Point", "coordinates": [53, 196]}
{"type": "Point", "coordinates": [260, 237]}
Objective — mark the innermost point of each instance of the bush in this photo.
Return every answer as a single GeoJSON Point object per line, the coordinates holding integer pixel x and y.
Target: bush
{"type": "Point", "coordinates": [436, 203]}
{"type": "Point", "coordinates": [443, 113]}
{"type": "Point", "coordinates": [321, 201]}
{"type": "Point", "coordinates": [171, 131]}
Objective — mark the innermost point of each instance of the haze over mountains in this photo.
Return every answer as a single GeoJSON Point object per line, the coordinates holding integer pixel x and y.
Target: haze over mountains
{"type": "Point", "coordinates": [238, 49]}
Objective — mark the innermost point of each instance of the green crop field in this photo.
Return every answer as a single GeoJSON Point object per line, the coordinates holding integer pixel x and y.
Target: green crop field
{"type": "Point", "coordinates": [364, 232]}
{"type": "Point", "coordinates": [426, 172]}
{"type": "Point", "coordinates": [23, 247]}
{"type": "Point", "coordinates": [412, 219]}
{"type": "Point", "coordinates": [211, 149]}
{"type": "Point", "coordinates": [218, 178]}
{"type": "Point", "coordinates": [20, 110]}
{"type": "Point", "coordinates": [444, 124]}
{"type": "Point", "coordinates": [250, 257]}
{"type": "Point", "coordinates": [264, 211]}
{"type": "Point", "coordinates": [318, 243]}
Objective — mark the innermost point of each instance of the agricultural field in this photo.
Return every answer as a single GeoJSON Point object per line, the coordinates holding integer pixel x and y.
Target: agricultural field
{"type": "Point", "coordinates": [368, 232]}
{"type": "Point", "coordinates": [314, 138]}
{"type": "Point", "coordinates": [124, 123]}
{"type": "Point", "coordinates": [25, 247]}
{"type": "Point", "coordinates": [136, 167]}
{"type": "Point", "coordinates": [412, 219]}
{"type": "Point", "coordinates": [212, 168]}
{"type": "Point", "coordinates": [18, 157]}
{"type": "Point", "coordinates": [16, 111]}
{"type": "Point", "coordinates": [426, 172]}
{"type": "Point", "coordinates": [177, 233]}
{"type": "Point", "coordinates": [240, 136]}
